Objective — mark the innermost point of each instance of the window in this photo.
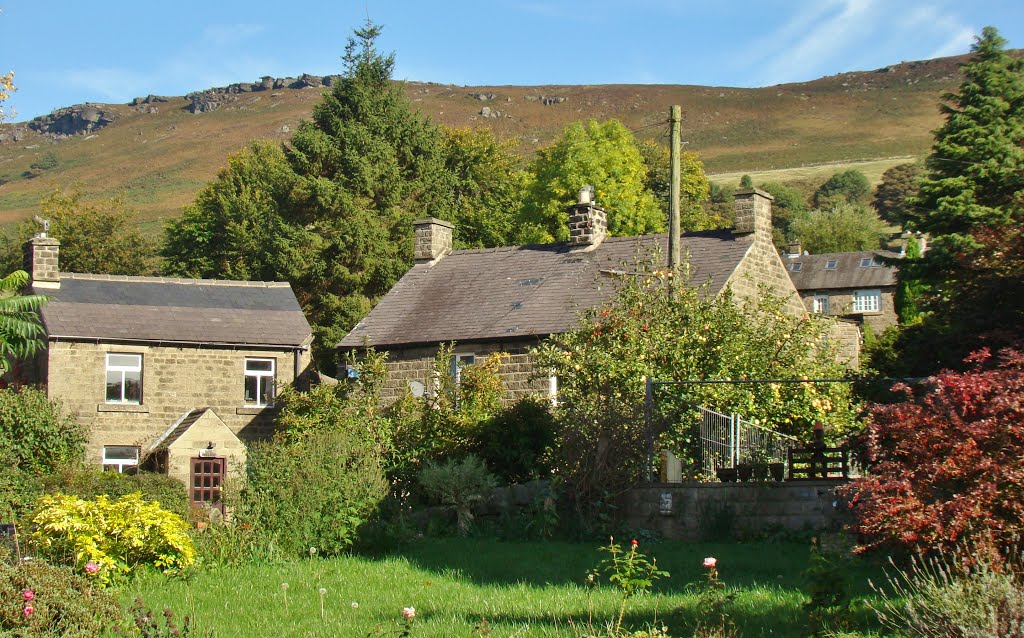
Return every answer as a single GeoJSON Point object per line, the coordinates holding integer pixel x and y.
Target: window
{"type": "Point", "coordinates": [553, 390]}
{"type": "Point", "coordinates": [123, 459]}
{"type": "Point", "coordinates": [796, 266]}
{"type": "Point", "coordinates": [821, 304]}
{"type": "Point", "coordinates": [259, 382]}
{"type": "Point", "coordinates": [867, 300]}
{"type": "Point", "coordinates": [124, 378]}
{"type": "Point", "coordinates": [831, 264]}
{"type": "Point", "coordinates": [865, 262]}
{"type": "Point", "coordinates": [460, 361]}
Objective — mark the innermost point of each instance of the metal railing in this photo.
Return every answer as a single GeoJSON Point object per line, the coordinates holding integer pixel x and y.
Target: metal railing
{"type": "Point", "coordinates": [727, 440]}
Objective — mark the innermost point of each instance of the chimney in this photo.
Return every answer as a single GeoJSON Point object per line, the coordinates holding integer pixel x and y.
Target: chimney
{"type": "Point", "coordinates": [793, 249]}
{"type": "Point", "coordinates": [433, 239]}
{"type": "Point", "coordinates": [753, 208]}
{"type": "Point", "coordinates": [41, 261]}
{"type": "Point", "coordinates": [588, 222]}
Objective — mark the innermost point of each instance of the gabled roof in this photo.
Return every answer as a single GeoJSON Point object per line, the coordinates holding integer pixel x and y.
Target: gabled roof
{"type": "Point", "coordinates": [813, 273]}
{"type": "Point", "coordinates": [525, 291]}
{"type": "Point", "coordinates": [173, 433]}
{"type": "Point", "coordinates": [158, 309]}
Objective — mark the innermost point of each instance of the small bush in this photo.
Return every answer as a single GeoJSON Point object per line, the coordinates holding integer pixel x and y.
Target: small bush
{"type": "Point", "coordinates": [18, 489]}
{"type": "Point", "coordinates": [88, 482]}
{"type": "Point", "coordinates": [118, 536]}
{"type": "Point", "coordinates": [954, 596]}
{"type": "Point", "coordinates": [513, 443]}
{"type": "Point", "coordinates": [37, 433]}
{"type": "Point", "coordinates": [312, 493]}
{"type": "Point", "coordinates": [63, 604]}
{"type": "Point", "coordinates": [460, 485]}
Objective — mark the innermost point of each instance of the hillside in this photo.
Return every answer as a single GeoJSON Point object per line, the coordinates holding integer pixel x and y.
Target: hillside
{"type": "Point", "coordinates": [158, 154]}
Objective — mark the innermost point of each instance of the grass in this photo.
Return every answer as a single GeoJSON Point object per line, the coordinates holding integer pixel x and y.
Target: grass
{"type": "Point", "coordinates": [520, 589]}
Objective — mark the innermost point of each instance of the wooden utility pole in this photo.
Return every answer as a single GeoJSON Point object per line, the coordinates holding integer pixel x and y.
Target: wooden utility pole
{"type": "Point", "coordinates": [673, 203]}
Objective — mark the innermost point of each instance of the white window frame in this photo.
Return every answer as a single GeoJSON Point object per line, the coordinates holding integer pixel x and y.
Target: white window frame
{"type": "Point", "coordinates": [796, 266]}
{"type": "Point", "coordinates": [868, 300]}
{"type": "Point", "coordinates": [123, 370]}
{"type": "Point", "coordinates": [459, 360]}
{"type": "Point", "coordinates": [831, 264]}
{"type": "Point", "coordinates": [865, 262]}
{"type": "Point", "coordinates": [118, 464]}
{"type": "Point", "coordinates": [820, 304]}
{"type": "Point", "coordinates": [553, 390]}
{"type": "Point", "coordinates": [260, 375]}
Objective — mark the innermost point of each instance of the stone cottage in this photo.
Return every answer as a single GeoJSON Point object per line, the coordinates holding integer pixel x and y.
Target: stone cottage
{"type": "Point", "coordinates": [855, 286]}
{"type": "Point", "coordinates": [173, 373]}
{"type": "Point", "coordinates": [508, 299]}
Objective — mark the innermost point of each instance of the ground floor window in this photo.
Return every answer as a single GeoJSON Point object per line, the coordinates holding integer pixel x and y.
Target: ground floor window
{"type": "Point", "coordinates": [207, 481]}
{"type": "Point", "coordinates": [821, 304]}
{"type": "Point", "coordinates": [123, 459]}
{"type": "Point", "coordinates": [867, 300]}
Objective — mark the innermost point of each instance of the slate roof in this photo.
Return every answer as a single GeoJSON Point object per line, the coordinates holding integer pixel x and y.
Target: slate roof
{"type": "Point", "coordinates": [156, 309]}
{"type": "Point", "coordinates": [848, 272]}
{"type": "Point", "coordinates": [524, 291]}
{"type": "Point", "coordinates": [173, 433]}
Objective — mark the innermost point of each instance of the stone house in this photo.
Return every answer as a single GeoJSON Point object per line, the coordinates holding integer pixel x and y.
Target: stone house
{"type": "Point", "coordinates": [508, 299]}
{"type": "Point", "coordinates": [855, 286]}
{"type": "Point", "coordinates": [171, 373]}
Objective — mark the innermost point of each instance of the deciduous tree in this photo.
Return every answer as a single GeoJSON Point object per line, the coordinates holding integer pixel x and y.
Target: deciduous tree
{"type": "Point", "coordinates": [850, 186]}
{"type": "Point", "coordinates": [898, 185]}
{"type": "Point", "coordinates": [21, 332]}
{"type": "Point", "coordinates": [842, 228]}
{"type": "Point", "coordinates": [694, 187]}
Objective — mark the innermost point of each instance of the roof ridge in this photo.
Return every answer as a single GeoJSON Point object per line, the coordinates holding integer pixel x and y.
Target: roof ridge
{"type": "Point", "coordinates": [79, 276]}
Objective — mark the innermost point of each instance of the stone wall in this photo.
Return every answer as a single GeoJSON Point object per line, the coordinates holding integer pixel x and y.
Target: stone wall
{"type": "Point", "coordinates": [840, 303]}
{"type": "Point", "coordinates": [412, 369]}
{"type": "Point", "coordinates": [689, 511]}
{"type": "Point", "coordinates": [174, 381]}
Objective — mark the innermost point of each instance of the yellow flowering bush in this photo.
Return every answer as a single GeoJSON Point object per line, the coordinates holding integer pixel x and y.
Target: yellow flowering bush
{"type": "Point", "coordinates": [117, 536]}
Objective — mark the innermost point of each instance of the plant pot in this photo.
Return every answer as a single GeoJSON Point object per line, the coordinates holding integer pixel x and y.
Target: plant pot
{"type": "Point", "coordinates": [745, 471]}
{"type": "Point", "coordinates": [761, 472]}
{"type": "Point", "coordinates": [778, 471]}
{"type": "Point", "coordinates": [726, 474]}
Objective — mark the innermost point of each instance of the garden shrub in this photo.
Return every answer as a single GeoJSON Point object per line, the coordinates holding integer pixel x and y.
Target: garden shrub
{"type": "Point", "coordinates": [89, 481]}
{"type": "Point", "coordinates": [459, 484]}
{"type": "Point", "coordinates": [116, 535]}
{"type": "Point", "coordinates": [312, 493]}
{"type": "Point", "coordinates": [63, 604]}
{"type": "Point", "coordinates": [944, 464]}
{"type": "Point", "coordinates": [953, 595]}
{"type": "Point", "coordinates": [513, 443]}
{"type": "Point", "coordinates": [40, 437]}
{"type": "Point", "coordinates": [18, 489]}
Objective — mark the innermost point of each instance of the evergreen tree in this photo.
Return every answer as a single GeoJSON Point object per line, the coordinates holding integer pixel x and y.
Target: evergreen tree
{"type": "Point", "coordinates": [908, 290]}
{"type": "Point", "coordinates": [971, 203]}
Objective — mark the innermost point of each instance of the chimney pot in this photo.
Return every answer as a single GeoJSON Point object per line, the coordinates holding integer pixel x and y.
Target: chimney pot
{"type": "Point", "coordinates": [42, 255]}
{"type": "Point", "coordinates": [433, 239]}
{"type": "Point", "coordinates": [588, 222]}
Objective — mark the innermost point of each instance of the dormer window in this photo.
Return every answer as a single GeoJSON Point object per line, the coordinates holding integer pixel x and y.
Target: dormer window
{"type": "Point", "coordinates": [831, 264]}
{"type": "Point", "coordinates": [795, 266]}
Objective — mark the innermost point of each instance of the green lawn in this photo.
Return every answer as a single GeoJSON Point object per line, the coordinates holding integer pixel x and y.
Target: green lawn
{"type": "Point", "coordinates": [521, 589]}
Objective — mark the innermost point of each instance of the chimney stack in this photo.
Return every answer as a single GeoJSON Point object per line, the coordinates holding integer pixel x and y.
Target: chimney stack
{"type": "Point", "coordinates": [793, 249]}
{"type": "Point", "coordinates": [753, 208]}
{"type": "Point", "coordinates": [588, 222]}
{"type": "Point", "coordinates": [433, 239]}
{"type": "Point", "coordinates": [41, 261]}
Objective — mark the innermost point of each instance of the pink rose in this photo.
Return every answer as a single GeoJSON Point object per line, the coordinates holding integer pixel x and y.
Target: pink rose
{"type": "Point", "coordinates": [710, 562]}
{"type": "Point", "coordinates": [635, 543]}
{"type": "Point", "coordinates": [91, 567]}
{"type": "Point", "coordinates": [409, 613]}
{"type": "Point", "coordinates": [28, 595]}
{"type": "Point", "coordinates": [29, 611]}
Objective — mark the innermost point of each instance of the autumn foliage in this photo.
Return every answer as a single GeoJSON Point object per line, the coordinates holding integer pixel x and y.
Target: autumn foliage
{"type": "Point", "coordinates": [946, 465]}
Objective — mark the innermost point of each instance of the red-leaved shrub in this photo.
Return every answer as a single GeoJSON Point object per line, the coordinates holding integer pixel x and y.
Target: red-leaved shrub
{"type": "Point", "coordinates": [946, 465]}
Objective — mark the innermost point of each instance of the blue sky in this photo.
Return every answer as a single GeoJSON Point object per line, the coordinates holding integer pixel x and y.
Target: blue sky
{"type": "Point", "coordinates": [66, 52]}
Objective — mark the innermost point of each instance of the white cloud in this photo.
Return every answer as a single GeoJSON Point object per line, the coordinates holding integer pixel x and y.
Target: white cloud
{"type": "Point", "coordinates": [957, 43]}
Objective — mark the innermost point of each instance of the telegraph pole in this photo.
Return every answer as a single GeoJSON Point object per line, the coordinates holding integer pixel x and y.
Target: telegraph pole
{"type": "Point", "coordinates": [673, 207]}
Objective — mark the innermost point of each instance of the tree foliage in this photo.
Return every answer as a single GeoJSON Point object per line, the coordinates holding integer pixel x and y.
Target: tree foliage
{"type": "Point", "coordinates": [6, 88]}
{"type": "Point", "coordinates": [95, 236]}
{"type": "Point", "coordinates": [35, 432]}
{"type": "Point", "coordinates": [603, 155]}
{"type": "Point", "coordinates": [850, 186]}
{"type": "Point", "coordinates": [899, 184]}
{"type": "Point", "coordinates": [694, 186]}
{"type": "Point", "coordinates": [21, 331]}
{"type": "Point", "coordinates": [944, 461]}
{"type": "Point", "coordinates": [488, 188]}
{"type": "Point", "coordinates": [602, 364]}
{"type": "Point", "coordinates": [971, 203]}
{"type": "Point", "coordinates": [788, 205]}
{"type": "Point", "coordinates": [842, 228]}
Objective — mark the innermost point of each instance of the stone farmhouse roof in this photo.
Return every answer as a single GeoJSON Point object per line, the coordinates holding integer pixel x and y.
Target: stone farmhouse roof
{"type": "Point", "coordinates": [86, 307]}
{"type": "Point", "coordinates": [829, 271]}
{"type": "Point", "coordinates": [526, 291]}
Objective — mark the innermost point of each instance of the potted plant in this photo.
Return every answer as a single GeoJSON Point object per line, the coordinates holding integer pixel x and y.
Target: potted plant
{"type": "Point", "coordinates": [726, 474]}
{"type": "Point", "coordinates": [778, 471]}
{"type": "Point", "coordinates": [745, 471]}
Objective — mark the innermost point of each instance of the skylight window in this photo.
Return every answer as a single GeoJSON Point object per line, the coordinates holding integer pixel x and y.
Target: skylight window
{"type": "Point", "coordinates": [795, 266]}
{"type": "Point", "coordinates": [831, 264]}
{"type": "Point", "coordinates": [865, 262]}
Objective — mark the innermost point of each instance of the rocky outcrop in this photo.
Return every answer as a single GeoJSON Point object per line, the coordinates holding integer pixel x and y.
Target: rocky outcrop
{"type": "Point", "coordinates": [221, 97]}
{"type": "Point", "coordinates": [72, 120]}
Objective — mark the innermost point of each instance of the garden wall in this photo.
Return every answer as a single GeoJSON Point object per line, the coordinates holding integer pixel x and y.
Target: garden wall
{"type": "Point", "coordinates": [695, 511]}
